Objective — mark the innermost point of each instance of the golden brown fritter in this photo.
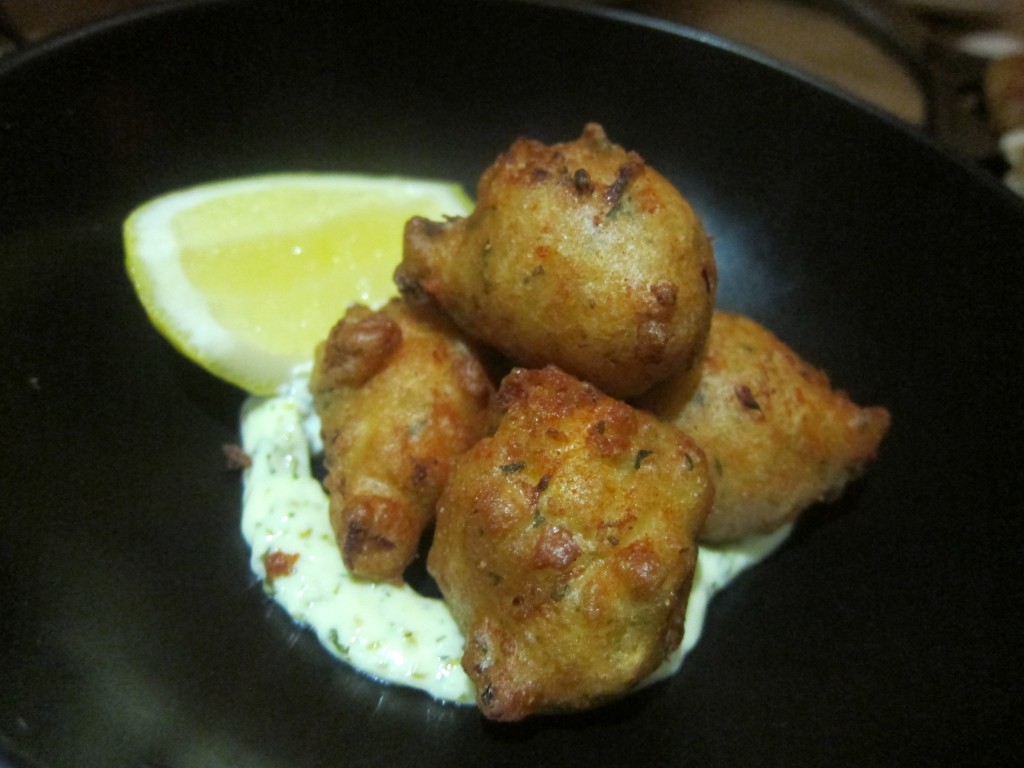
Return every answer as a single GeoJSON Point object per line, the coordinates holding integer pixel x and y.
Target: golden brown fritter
{"type": "Point", "coordinates": [577, 254]}
{"type": "Point", "coordinates": [565, 546]}
{"type": "Point", "coordinates": [399, 394]}
{"type": "Point", "coordinates": [778, 437]}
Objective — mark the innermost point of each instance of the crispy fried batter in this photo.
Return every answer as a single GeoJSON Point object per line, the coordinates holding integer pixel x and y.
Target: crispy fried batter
{"type": "Point", "coordinates": [777, 435]}
{"type": "Point", "coordinates": [577, 254]}
{"type": "Point", "coordinates": [565, 548]}
{"type": "Point", "coordinates": [399, 394]}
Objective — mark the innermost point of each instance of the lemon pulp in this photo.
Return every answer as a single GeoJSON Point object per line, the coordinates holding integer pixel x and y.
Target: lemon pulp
{"type": "Point", "coordinates": [246, 276]}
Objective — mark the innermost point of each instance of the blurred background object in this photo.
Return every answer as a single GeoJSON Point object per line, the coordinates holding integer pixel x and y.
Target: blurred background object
{"type": "Point", "coordinates": [937, 64]}
{"type": "Point", "coordinates": [882, 51]}
{"type": "Point", "coordinates": [810, 37]}
{"type": "Point", "coordinates": [36, 19]}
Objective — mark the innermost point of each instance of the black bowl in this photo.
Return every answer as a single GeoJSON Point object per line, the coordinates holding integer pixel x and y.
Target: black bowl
{"type": "Point", "coordinates": [131, 629]}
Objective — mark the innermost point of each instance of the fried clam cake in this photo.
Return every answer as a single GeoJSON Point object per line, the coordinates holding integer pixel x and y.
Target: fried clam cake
{"type": "Point", "coordinates": [577, 254]}
{"type": "Point", "coordinates": [399, 394]}
{"type": "Point", "coordinates": [565, 546]}
{"type": "Point", "coordinates": [778, 436]}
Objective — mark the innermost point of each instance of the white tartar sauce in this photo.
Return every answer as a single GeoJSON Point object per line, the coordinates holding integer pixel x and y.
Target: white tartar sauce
{"type": "Point", "coordinates": [389, 632]}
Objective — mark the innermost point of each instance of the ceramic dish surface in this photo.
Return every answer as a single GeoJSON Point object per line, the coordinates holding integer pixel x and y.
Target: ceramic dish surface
{"type": "Point", "coordinates": [132, 631]}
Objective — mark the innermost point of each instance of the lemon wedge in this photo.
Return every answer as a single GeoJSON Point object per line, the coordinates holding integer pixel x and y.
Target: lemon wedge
{"type": "Point", "coordinates": [245, 276]}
